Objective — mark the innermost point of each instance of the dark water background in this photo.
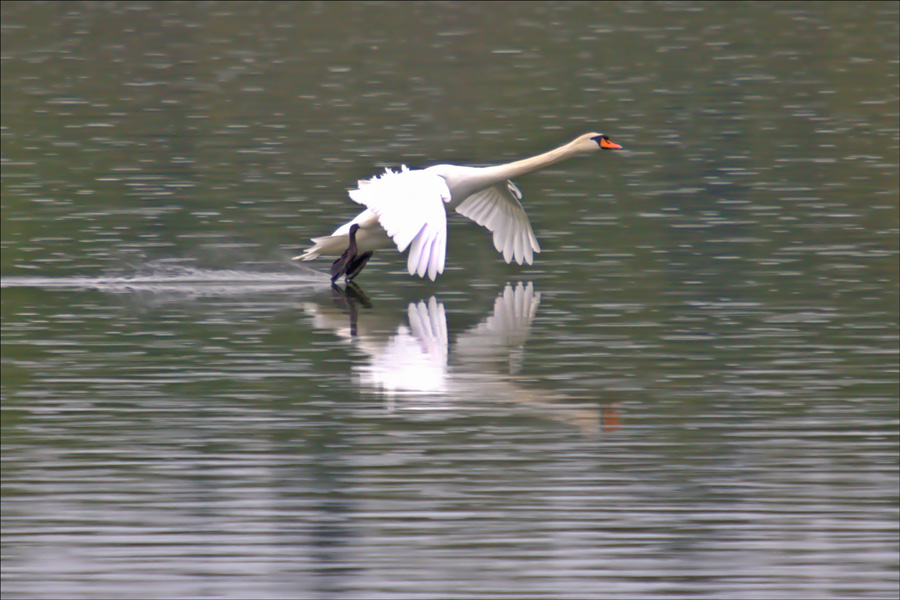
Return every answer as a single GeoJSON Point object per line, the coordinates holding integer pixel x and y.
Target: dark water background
{"type": "Point", "coordinates": [692, 392]}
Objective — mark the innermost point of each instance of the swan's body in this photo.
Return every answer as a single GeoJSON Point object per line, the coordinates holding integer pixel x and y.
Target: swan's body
{"type": "Point", "coordinates": [409, 209]}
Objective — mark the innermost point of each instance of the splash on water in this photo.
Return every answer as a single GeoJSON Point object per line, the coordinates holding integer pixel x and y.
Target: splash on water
{"type": "Point", "coordinates": [168, 276]}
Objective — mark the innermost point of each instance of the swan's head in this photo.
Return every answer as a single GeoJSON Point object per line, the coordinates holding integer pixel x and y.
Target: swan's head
{"type": "Point", "coordinates": [591, 142]}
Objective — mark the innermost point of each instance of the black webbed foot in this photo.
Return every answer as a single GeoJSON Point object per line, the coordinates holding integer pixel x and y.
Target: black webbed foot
{"type": "Point", "coordinates": [355, 266]}
{"type": "Point", "coordinates": [339, 267]}
{"type": "Point", "coordinates": [350, 263]}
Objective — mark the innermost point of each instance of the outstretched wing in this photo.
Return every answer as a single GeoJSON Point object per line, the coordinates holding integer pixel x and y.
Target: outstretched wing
{"type": "Point", "coordinates": [498, 208]}
{"type": "Point", "coordinates": [410, 208]}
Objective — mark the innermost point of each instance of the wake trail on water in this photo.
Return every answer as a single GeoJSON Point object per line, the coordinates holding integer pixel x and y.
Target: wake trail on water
{"type": "Point", "coordinates": [173, 278]}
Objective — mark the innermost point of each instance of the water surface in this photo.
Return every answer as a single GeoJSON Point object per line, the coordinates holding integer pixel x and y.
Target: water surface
{"type": "Point", "coordinates": [692, 392]}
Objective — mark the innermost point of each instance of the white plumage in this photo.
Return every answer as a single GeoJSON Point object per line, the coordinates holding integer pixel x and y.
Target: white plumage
{"type": "Point", "coordinates": [498, 208]}
{"type": "Point", "coordinates": [409, 208]}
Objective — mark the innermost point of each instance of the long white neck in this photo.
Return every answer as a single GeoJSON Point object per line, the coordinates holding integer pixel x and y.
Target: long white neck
{"type": "Point", "coordinates": [464, 181]}
{"type": "Point", "coordinates": [527, 165]}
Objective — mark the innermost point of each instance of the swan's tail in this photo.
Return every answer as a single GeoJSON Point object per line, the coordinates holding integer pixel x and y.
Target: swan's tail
{"type": "Point", "coordinates": [313, 251]}
{"type": "Point", "coordinates": [329, 245]}
{"type": "Point", "coordinates": [370, 236]}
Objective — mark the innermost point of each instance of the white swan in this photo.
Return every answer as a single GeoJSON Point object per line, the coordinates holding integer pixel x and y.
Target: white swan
{"type": "Point", "coordinates": [408, 208]}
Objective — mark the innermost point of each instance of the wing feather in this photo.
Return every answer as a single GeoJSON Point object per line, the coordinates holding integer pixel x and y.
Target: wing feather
{"type": "Point", "coordinates": [498, 209]}
{"type": "Point", "coordinates": [410, 208]}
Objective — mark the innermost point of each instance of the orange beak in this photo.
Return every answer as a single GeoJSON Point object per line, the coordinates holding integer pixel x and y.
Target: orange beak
{"type": "Point", "coordinates": [608, 145]}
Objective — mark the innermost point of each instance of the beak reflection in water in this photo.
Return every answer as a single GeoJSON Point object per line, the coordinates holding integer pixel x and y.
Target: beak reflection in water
{"type": "Point", "coordinates": [414, 365]}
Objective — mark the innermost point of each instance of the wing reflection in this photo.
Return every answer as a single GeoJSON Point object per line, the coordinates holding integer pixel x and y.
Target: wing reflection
{"type": "Point", "coordinates": [500, 338]}
{"type": "Point", "coordinates": [414, 359]}
{"type": "Point", "coordinates": [412, 362]}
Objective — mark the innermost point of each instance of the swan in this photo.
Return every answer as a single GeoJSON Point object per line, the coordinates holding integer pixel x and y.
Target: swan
{"type": "Point", "coordinates": [407, 207]}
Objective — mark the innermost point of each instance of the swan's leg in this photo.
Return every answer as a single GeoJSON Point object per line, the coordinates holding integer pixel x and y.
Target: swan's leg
{"type": "Point", "coordinates": [339, 267]}
{"type": "Point", "coordinates": [356, 264]}
{"type": "Point", "coordinates": [347, 263]}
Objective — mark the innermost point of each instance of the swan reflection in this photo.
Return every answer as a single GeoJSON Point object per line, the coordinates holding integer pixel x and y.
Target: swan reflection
{"type": "Point", "coordinates": [415, 360]}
